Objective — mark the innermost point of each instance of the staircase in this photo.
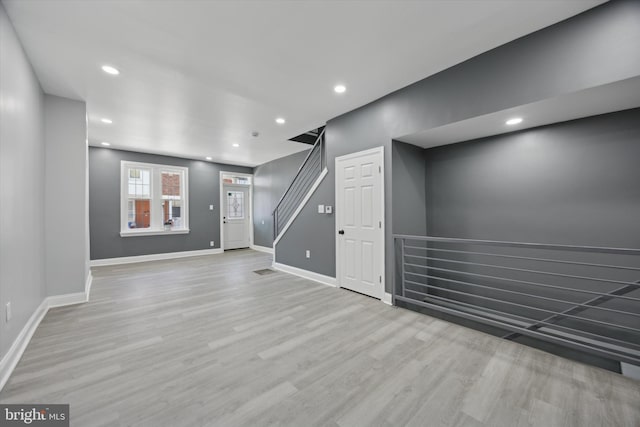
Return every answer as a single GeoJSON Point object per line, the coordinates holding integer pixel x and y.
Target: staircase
{"type": "Point", "coordinates": [302, 186]}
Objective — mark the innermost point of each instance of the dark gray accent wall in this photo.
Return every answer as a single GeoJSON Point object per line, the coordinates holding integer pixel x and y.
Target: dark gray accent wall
{"type": "Point", "coordinates": [408, 182]}
{"type": "Point", "coordinates": [570, 183]}
{"type": "Point", "coordinates": [589, 50]}
{"type": "Point", "coordinates": [575, 182]}
{"type": "Point", "coordinates": [408, 179]}
{"type": "Point", "coordinates": [270, 181]}
{"type": "Point", "coordinates": [104, 205]}
{"type": "Point", "coordinates": [303, 235]}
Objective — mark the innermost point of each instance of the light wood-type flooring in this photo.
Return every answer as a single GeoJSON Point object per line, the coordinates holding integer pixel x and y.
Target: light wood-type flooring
{"type": "Point", "coordinates": [206, 341]}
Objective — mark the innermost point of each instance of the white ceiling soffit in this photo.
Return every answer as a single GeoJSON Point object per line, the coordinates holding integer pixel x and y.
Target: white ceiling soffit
{"type": "Point", "coordinates": [621, 95]}
{"type": "Point", "coordinates": [199, 76]}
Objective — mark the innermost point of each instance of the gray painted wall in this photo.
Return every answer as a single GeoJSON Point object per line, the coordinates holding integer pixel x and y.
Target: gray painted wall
{"type": "Point", "coordinates": [408, 183]}
{"type": "Point", "coordinates": [570, 183]}
{"type": "Point", "coordinates": [304, 235]}
{"type": "Point", "coordinates": [22, 164]}
{"type": "Point", "coordinates": [270, 181]}
{"type": "Point", "coordinates": [104, 205]}
{"type": "Point", "coordinates": [592, 49]}
{"type": "Point", "coordinates": [65, 195]}
{"type": "Point", "coordinates": [576, 182]}
{"type": "Point", "coordinates": [408, 179]}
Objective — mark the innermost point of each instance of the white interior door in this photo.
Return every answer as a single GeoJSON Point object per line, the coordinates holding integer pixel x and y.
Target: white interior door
{"type": "Point", "coordinates": [236, 219]}
{"type": "Point", "coordinates": [360, 222]}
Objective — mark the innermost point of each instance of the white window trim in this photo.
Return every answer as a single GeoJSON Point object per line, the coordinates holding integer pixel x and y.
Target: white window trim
{"type": "Point", "coordinates": [156, 226]}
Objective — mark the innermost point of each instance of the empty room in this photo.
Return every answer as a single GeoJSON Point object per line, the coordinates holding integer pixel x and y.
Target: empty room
{"type": "Point", "coordinates": [320, 213]}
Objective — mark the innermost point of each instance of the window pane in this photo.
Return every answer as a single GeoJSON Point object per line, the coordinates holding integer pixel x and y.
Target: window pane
{"type": "Point", "coordinates": [138, 213]}
{"type": "Point", "coordinates": [171, 185]}
{"type": "Point", "coordinates": [235, 204]}
{"type": "Point", "coordinates": [234, 179]}
{"type": "Point", "coordinates": [172, 213]}
{"type": "Point", "coordinates": [242, 180]}
{"type": "Point", "coordinates": [139, 183]}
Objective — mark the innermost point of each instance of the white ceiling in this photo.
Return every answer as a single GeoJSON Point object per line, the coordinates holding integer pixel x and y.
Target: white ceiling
{"type": "Point", "coordinates": [198, 76]}
{"type": "Point", "coordinates": [621, 95]}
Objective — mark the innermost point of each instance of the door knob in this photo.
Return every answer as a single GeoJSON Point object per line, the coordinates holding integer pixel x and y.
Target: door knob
{"type": "Point", "coordinates": [341, 232]}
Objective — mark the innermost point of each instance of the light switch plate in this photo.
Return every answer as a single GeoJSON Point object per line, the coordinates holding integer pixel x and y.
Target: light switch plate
{"type": "Point", "coordinates": [320, 208]}
{"type": "Point", "coordinates": [210, 207]}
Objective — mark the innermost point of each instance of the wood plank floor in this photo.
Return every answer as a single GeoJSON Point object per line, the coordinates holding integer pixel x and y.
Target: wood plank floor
{"type": "Point", "coordinates": [205, 341]}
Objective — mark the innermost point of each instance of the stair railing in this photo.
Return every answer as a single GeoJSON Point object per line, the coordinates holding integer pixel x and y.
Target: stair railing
{"type": "Point", "coordinates": [311, 168]}
{"type": "Point", "coordinates": [585, 298]}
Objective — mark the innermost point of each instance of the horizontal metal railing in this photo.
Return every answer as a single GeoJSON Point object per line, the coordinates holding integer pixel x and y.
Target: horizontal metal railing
{"type": "Point", "coordinates": [582, 297]}
{"type": "Point", "coordinates": [301, 183]}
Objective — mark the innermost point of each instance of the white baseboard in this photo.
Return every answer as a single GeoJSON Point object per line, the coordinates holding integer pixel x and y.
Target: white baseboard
{"type": "Point", "coordinates": [386, 298]}
{"type": "Point", "coordinates": [66, 299]}
{"type": "Point", "coordinates": [87, 285]}
{"type": "Point", "coordinates": [262, 249]}
{"type": "Point", "coordinates": [13, 355]}
{"type": "Point", "coordinates": [153, 257]}
{"type": "Point", "coordinates": [316, 277]}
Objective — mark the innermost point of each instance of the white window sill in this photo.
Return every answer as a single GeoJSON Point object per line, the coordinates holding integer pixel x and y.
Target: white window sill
{"type": "Point", "coordinates": [137, 233]}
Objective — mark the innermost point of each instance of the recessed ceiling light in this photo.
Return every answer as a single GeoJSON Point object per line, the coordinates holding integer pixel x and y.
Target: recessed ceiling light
{"type": "Point", "coordinates": [110, 70]}
{"type": "Point", "coordinates": [280, 121]}
{"type": "Point", "coordinates": [514, 121]}
{"type": "Point", "coordinates": [208, 158]}
{"type": "Point", "coordinates": [339, 89]}
{"type": "Point", "coordinates": [107, 121]}
{"type": "Point", "coordinates": [106, 144]}
{"type": "Point", "coordinates": [236, 145]}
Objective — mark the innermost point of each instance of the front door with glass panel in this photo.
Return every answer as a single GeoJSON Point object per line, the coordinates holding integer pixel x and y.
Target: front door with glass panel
{"type": "Point", "coordinates": [236, 219]}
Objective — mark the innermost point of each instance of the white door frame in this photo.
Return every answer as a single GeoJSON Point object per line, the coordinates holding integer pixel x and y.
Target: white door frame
{"type": "Point", "coordinates": [380, 152]}
{"type": "Point", "coordinates": [250, 210]}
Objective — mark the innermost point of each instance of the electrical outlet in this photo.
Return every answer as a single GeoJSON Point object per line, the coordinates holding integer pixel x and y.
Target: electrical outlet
{"type": "Point", "coordinates": [210, 207]}
{"type": "Point", "coordinates": [308, 253]}
{"type": "Point", "coordinates": [211, 243]}
{"type": "Point", "coordinates": [328, 209]}
{"type": "Point", "coordinates": [8, 312]}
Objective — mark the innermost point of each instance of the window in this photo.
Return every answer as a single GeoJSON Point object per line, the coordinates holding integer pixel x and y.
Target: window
{"type": "Point", "coordinates": [236, 179]}
{"type": "Point", "coordinates": [235, 204]}
{"type": "Point", "coordinates": [154, 199]}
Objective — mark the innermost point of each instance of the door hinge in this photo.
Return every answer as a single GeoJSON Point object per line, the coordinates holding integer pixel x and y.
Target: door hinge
{"type": "Point", "coordinates": [379, 169]}
{"type": "Point", "coordinates": [379, 224]}
{"type": "Point", "coordinates": [380, 279]}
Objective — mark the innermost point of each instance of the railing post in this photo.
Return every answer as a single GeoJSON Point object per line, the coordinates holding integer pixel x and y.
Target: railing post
{"type": "Point", "coordinates": [394, 282]}
{"type": "Point", "coordinates": [402, 267]}
{"type": "Point", "coordinates": [322, 155]}
{"type": "Point", "coordinates": [275, 223]}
